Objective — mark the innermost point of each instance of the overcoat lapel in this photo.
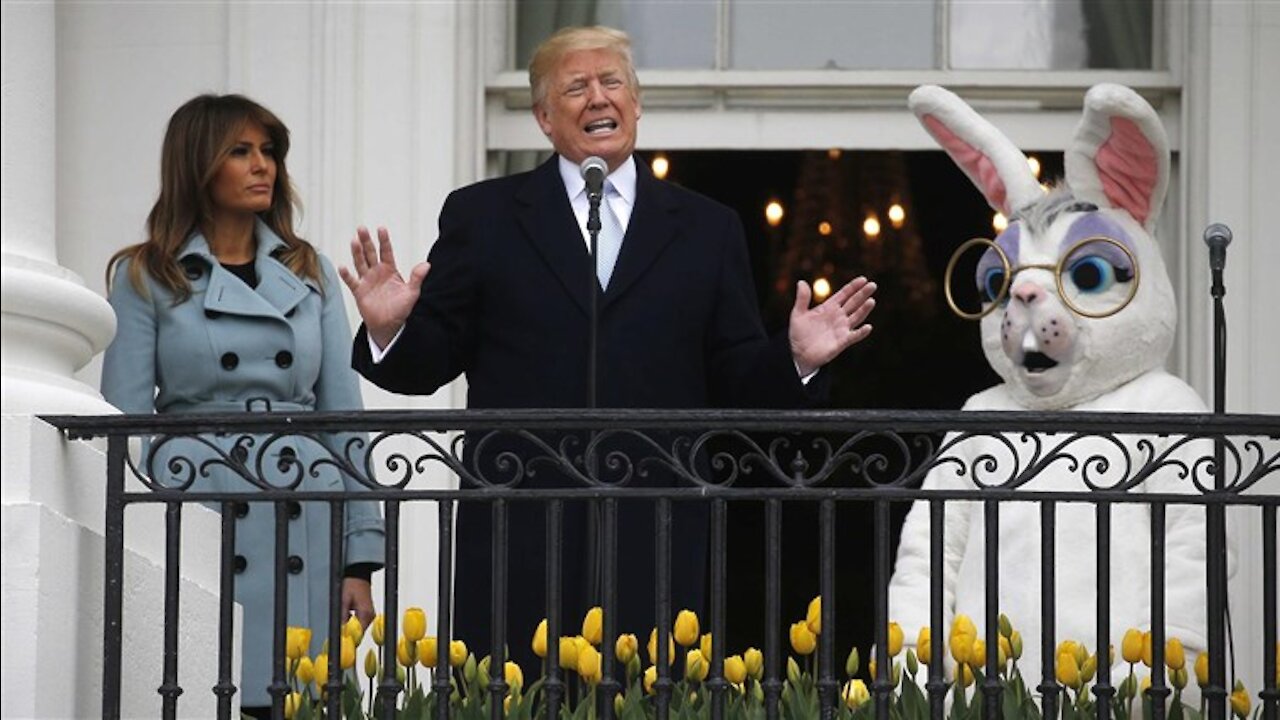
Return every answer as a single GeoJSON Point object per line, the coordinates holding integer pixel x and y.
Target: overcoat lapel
{"type": "Point", "coordinates": [652, 227]}
{"type": "Point", "coordinates": [278, 291]}
{"type": "Point", "coordinates": [548, 221]}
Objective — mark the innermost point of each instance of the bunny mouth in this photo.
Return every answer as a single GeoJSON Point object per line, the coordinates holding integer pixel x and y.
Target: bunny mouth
{"type": "Point", "coordinates": [1038, 362]}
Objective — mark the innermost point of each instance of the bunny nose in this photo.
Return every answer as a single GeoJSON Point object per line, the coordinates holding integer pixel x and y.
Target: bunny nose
{"type": "Point", "coordinates": [1028, 293]}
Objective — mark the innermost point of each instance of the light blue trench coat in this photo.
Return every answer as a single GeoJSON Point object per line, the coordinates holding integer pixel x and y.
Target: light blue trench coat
{"type": "Point", "coordinates": [285, 342]}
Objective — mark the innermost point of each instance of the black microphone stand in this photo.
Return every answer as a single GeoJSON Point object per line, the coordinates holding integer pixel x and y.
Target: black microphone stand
{"type": "Point", "coordinates": [594, 527]}
{"type": "Point", "coordinates": [1217, 236]}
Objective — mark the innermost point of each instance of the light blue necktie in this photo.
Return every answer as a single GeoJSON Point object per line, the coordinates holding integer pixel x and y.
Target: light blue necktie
{"type": "Point", "coordinates": [609, 241]}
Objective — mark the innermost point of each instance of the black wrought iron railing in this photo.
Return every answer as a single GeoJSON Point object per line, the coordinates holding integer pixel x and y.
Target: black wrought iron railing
{"type": "Point", "coordinates": [603, 458]}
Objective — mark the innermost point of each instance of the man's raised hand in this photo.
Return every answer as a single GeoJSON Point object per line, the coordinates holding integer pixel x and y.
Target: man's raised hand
{"type": "Point", "coordinates": [820, 333]}
{"type": "Point", "coordinates": [383, 297]}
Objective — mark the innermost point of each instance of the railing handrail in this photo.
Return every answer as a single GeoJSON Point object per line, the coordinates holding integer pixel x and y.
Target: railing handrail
{"type": "Point", "coordinates": [1198, 424]}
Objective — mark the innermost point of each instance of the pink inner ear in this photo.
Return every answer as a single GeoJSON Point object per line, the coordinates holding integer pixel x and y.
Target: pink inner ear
{"type": "Point", "coordinates": [977, 166]}
{"type": "Point", "coordinates": [1127, 169]}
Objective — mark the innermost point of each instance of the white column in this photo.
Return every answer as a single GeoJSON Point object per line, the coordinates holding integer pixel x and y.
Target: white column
{"type": "Point", "coordinates": [52, 324]}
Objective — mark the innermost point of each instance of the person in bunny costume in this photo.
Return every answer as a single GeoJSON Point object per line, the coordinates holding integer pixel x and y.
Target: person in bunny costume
{"type": "Point", "coordinates": [1077, 313]}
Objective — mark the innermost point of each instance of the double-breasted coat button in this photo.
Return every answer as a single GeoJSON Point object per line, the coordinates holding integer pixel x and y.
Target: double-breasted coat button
{"type": "Point", "coordinates": [212, 314]}
{"type": "Point", "coordinates": [295, 509]}
{"type": "Point", "coordinates": [295, 564]}
{"type": "Point", "coordinates": [240, 564]}
{"type": "Point", "coordinates": [284, 358]}
{"type": "Point", "coordinates": [230, 361]}
{"type": "Point", "coordinates": [241, 508]}
{"type": "Point", "coordinates": [192, 270]}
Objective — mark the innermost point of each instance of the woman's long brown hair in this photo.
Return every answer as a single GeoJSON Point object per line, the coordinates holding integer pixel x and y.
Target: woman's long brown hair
{"type": "Point", "coordinates": [199, 138]}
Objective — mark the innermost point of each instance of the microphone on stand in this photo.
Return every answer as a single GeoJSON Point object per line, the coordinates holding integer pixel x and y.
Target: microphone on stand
{"type": "Point", "coordinates": [594, 169]}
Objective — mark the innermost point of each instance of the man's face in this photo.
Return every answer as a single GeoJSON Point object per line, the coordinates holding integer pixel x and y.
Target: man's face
{"type": "Point", "coordinates": [590, 107]}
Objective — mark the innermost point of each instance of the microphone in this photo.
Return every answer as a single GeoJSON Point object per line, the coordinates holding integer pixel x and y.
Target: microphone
{"type": "Point", "coordinates": [1217, 236]}
{"type": "Point", "coordinates": [593, 171]}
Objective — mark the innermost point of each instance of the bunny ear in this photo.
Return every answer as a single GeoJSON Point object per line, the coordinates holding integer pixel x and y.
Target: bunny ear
{"type": "Point", "coordinates": [994, 165]}
{"type": "Point", "coordinates": [1120, 155]}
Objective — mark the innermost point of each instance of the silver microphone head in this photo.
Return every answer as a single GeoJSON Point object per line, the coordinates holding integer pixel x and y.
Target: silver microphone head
{"type": "Point", "coordinates": [594, 169]}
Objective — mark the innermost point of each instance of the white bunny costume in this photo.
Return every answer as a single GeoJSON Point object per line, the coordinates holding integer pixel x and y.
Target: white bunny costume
{"type": "Point", "coordinates": [1053, 357]}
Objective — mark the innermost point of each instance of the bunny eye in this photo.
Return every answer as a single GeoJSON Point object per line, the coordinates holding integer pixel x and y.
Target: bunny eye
{"type": "Point", "coordinates": [1095, 274]}
{"type": "Point", "coordinates": [992, 282]}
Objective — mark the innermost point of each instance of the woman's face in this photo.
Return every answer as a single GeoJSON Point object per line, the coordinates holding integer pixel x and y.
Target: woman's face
{"type": "Point", "coordinates": [247, 177]}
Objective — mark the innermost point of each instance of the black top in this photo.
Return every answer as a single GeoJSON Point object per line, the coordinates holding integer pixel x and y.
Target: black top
{"type": "Point", "coordinates": [245, 272]}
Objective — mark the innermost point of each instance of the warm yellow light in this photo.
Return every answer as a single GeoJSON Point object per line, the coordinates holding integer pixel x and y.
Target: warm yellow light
{"type": "Point", "coordinates": [999, 222]}
{"type": "Point", "coordinates": [824, 228]}
{"type": "Point", "coordinates": [1034, 162]}
{"type": "Point", "coordinates": [773, 213]}
{"type": "Point", "coordinates": [660, 166]}
{"type": "Point", "coordinates": [834, 153]}
{"type": "Point", "coordinates": [897, 215]}
{"type": "Point", "coordinates": [871, 226]}
{"type": "Point", "coordinates": [821, 288]}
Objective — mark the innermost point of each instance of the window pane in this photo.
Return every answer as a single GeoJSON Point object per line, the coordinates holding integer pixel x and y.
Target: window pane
{"type": "Point", "coordinates": [795, 34]}
{"type": "Point", "coordinates": [1059, 35]}
{"type": "Point", "coordinates": [663, 34]}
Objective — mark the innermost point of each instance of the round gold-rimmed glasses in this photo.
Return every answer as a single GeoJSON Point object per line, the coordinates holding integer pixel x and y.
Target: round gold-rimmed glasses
{"type": "Point", "coordinates": [1096, 278]}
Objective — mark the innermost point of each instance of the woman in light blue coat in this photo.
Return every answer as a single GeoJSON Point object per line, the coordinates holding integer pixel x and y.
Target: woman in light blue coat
{"type": "Point", "coordinates": [224, 308]}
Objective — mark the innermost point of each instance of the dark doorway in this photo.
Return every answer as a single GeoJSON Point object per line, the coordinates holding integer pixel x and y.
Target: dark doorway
{"type": "Point", "coordinates": [919, 356]}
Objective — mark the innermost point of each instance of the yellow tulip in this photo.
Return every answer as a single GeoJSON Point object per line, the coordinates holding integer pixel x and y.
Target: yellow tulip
{"type": "Point", "coordinates": [371, 664]}
{"type": "Point", "coordinates": [1146, 648]}
{"type": "Point", "coordinates": [803, 640]}
{"type": "Point", "coordinates": [306, 671]}
{"type": "Point", "coordinates": [354, 629]}
{"type": "Point", "coordinates": [695, 666]}
{"type": "Point", "coordinates": [568, 653]}
{"type": "Point", "coordinates": [415, 624]}
{"type": "Point", "coordinates": [1006, 627]}
{"type": "Point", "coordinates": [406, 651]}
{"type": "Point", "coordinates": [650, 677]}
{"type": "Point", "coordinates": [619, 702]}
{"type": "Point", "coordinates": [964, 675]}
{"type": "Point", "coordinates": [347, 654]}
{"type": "Point", "coordinates": [427, 652]}
{"type": "Point", "coordinates": [686, 629]}
{"type": "Point", "coordinates": [457, 653]}
{"type": "Point", "coordinates": [1145, 685]}
{"type": "Point", "coordinates": [539, 643]}
{"type": "Point", "coordinates": [895, 639]}
{"type": "Point", "coordinates": [514, 676]}
{"type": "Point", "coordinates": [754, 660]}
{"type": "Point", "coordinates": [1202, 669]}
{"type": "Point", "coordinates": [924, 648]}
{"type": "Point", "coordinates": [1015, 645]}
{"type": "Point", "coordinates": [871, 666]}
{"type": "Point", "coordinates": [735, 669]}
{"type": "Point", "coordinates": [813, 617]}
{"type": "Point", "coordinates": [978, 653]}
{"type": "Point", "coordinates": [626, 647]}
{"type": "Point", "coordinates": [1240, 700]}
{"type": "Point", "coordinates": [1174, 656]}
{"type": "Point", "coordinates": [705, 646]}
{"type": "Point", "coordinates": [1068, 671]}
{"type": "Point", "coordinates": [1005, 650]}
{"type": "Point", "coordinates": [593, 626]}
{"type": "Point", "coordinates": [653, 648]}
{"type": "Point", "coordinates": [1178, 677]}
{"type": "Point", "coordinates": [1131, 646]}
{"type": "Point", "coordinates": [322, 669]}
{"type": "Point", "coordinates": [297, 642]}
{"type": "Point", "coordinates": [793, 671]}
{"type": "Point", "coordinates": [292, 702]}
{"type": "Point", "coordinates": [379, 628]}
{"type": "Point", "coordinates": [1089, 667]}
{"type": "Point", "coordinates": [856, 694]}
{"type": "Point", "coordinates": [589, 663]}
{"type": "Point", "coordinates": [963, 633]}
